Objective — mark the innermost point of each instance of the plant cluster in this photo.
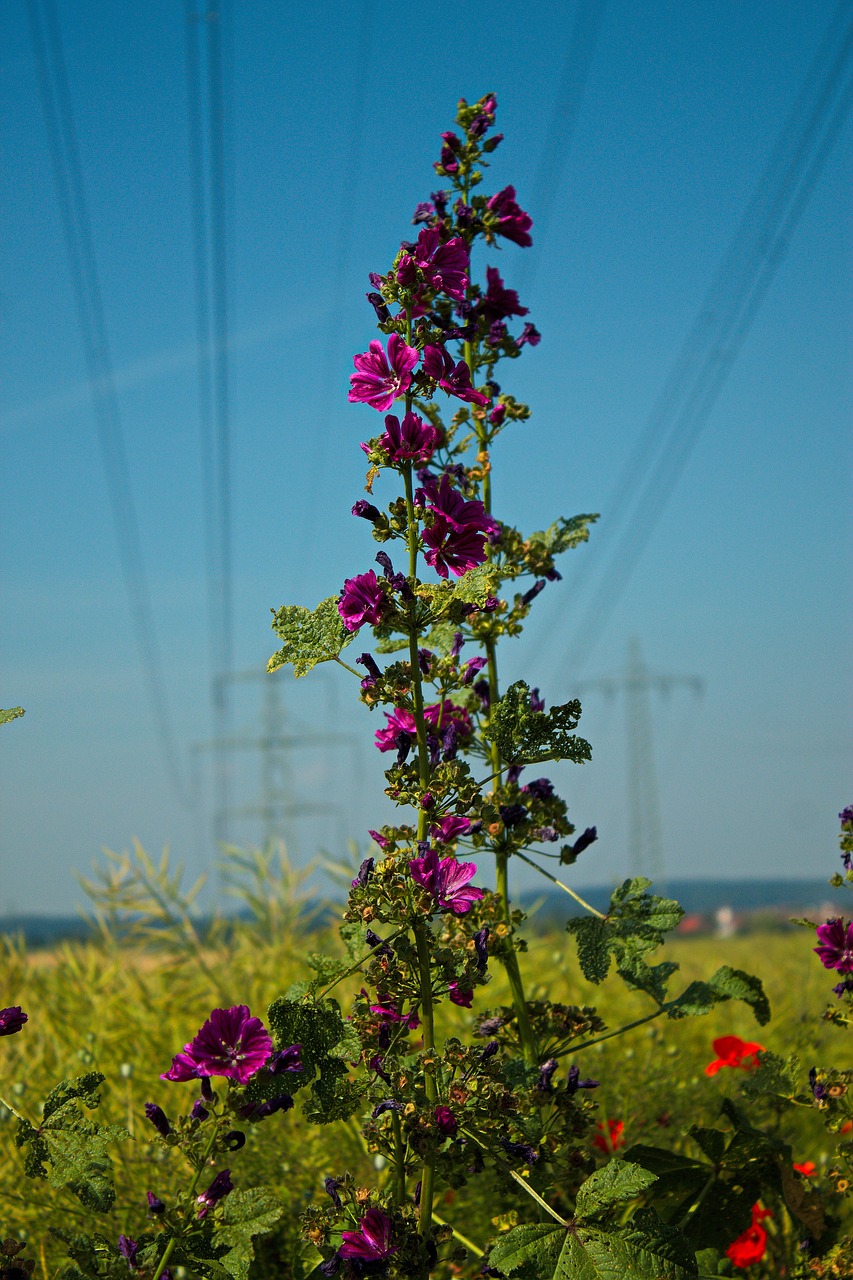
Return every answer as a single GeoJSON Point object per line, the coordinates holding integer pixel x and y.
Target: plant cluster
{"type": "Point", "coordinates": [510, 1106]}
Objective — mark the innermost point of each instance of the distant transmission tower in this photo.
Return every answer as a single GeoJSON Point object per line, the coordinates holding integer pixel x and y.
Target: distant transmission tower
{"type": "Point", "coordinates": [637, 682]}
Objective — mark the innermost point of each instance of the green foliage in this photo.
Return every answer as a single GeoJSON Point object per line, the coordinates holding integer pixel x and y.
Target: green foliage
{"type": "Point", "coordinates": [726, 984]}
{"type": "Point", "coordinates": [564, 533]}
{"type": "Point", "coordinates": [70, 1150]}
{"type": "Point", "coordinates": [524, 736]}
{"type": "Point", "coordinates": [245, 1214]}
{"type": "Point", "coordinates": [327, 1043]}
{"type": "Point", "coordinates": [477, 585]}
{"type": "Point", "coordinates": [10, 713]}
{"type": "Point", "coordinates": [310, 636]}
{"type": "Point", "coordinates": [616, 1183]}
{"type": "Point", "coordinates": [634, 925]}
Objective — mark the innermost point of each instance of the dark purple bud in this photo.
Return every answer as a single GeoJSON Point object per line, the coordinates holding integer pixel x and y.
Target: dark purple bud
{"type": "Point", "coordinates": [481, 941]}
{"type": "Point", "coordinates": [818, 1089]}
{"type": "Point", "coordinates": [843, 987]}
{"type": "Point", "coordinates": [332, 1267]}
{"type": "Point", "coordinates": [388, 1105]}
{"type": "Point", "coordinates": [489, 1050]}
{"type": "Point", "coordinates": [366, 511]}
{"type": "Point", "coordinates": [376, 280]}
{"type": "Point", "coordinates": [376, 944]}
{"type": "Point", "coordinates": [489, 606]}
{"type": "Point", "coordinates": [553, 575]}
{"type": "Point", "coordinates": [574, 1082]}
{"type": "Point", "coordinates": [529, 334]}
{"type": "Point", "coordinates": [471, 668]}
{"type": "Point", "coordinates": [366, 660]}
{"type": "Point", "coordinates": [458, 641]}
{"type": "Point", "coordinates": [584, 840]}
{"type": "Point", "coordinates": [546, 1071]}
{"type": "Point", "coordinates": [403, 743]}
{"type": "Point", "coordinates": [536, 703]}
{"type": "Point", "coordinates": [425, 657]}
{"type": "Point", "coordinates": [496, 334]}
{"type": "Point", "coordinates": [513, 774]}
{"type": "Point", "coordinates": [540, 788]}
{"type": "Point", "coordinates": [331, 1188]}
{"type": "Point", "coordinates": [531, 594]}
{"type": "Point", "coordinates": [128, 1249]}
{"type": "Point", "coordinates": [378, 303]}
{"type": "Point", "coordinates": [364, 872]}
{"type": "Point", "coordinates": [427, 800]}
{"type": "Point", "coordinates": [423, 212]}
{"type": "Point", "coordinates": [464, 215]}
{"type": "Point", "coordinates": [199, 1110]}
{"type": "Point", "coordinates": [446, 1122]}
{"type": "Point", "coordinates": [234, 1140]}
{"type": "Point", "coordinates": [158, 1118]}
{"type": "Point", "coordinates": [846, 814]}
{"type": "Point", "coordinates": [281, 1102]}
{"type": "Point", "coordinates": [155, 1204]}
{"type": "Point", "coordinates": [440, 199]}
{"type": "Point", "coordinates": [383, 559]}
{"type": "Point", "coordinates": [375, 1065]}
{"type": "Point", "coordinates": [520, 1151]}
{"type": "Point", "coordinates": [11, 1020]}
{"type": "Point", "coordinates": [417, 1195]}
{"type": "Point", "coordinates": [218, 1190]}
{"type": "Point", "coordinates": [512, 814]}
{"type": "Point", "coordinates": [450, 742]}
{"type": "Point", "coordinates": [481, 688]}
{"type": "Point", "coordinates": [407, 272]}
{"type": "Point", "coordinates": [434, 749]}
{"type": "Point", "coordinates": [206, 1089]}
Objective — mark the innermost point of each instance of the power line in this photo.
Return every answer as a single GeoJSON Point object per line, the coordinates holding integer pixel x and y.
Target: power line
{"type": "Point", "coordinates": [714, 341]}
{"type": "Point", "coordinates": [58, 112]}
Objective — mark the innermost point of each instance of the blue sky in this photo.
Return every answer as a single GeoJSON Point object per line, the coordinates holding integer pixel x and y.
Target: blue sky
{"type": "Point", "coordinates": [744, 579]}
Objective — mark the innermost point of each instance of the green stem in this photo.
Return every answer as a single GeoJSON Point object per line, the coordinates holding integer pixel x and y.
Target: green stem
{"type": "Point", "coordinates": [608, 1035]}
{"type": "Point", "coordinates": [167, 1252]}
{"type": "Point", "coordinates": [346, 666]}
{"type": "Point", "coordinates": [422, 939]}
{"type": "Point", "coordinates": [522, 1182]}
{"type": "Point", "coordinates": [559, 884]}
{"type": "Point", "coordinates": [355, 967]}
{"type": "Point", "coordinates": [469, 1244]}
{"type": "Point", "coordinates": [399, 1159]}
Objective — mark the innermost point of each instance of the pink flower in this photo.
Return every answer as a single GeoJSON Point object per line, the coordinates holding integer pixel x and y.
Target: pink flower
{"type": "Point", "coordinates": [398, 721]}
{"type": "Point", "coordinates": [461, 513]}
{"type": "Point", "coordinates": [379, 379]}
{"type": "Point", "coordinates": [401, 720]}
{"type": "Point", "coordinates": [512, 221]}
{"type": "Point", "coordinates": [457, 550]}
{"type": "Point", "coordinates": [450, 828]}
{"type": "Point", "coordinates": [230, 1043]}
{"type": "Point", "coordinates": [412, 441]}
{"type": "Point", "coordinates": [444, 266]}
{"type": "Point", "coordinates": [447, 881]}
{"type": "Point", "coordinates": [454, 379]}
{"type": "Point", "coordinates": [836, 945]}
{"type": "Point", "coordinates": [463, 998]}
{"type": "Point", "coordinates": [389, 1012]}
{"type": "Point", "coordinates": [362, 600]}
{"type": "Point", "coordinates": [372, 1241]}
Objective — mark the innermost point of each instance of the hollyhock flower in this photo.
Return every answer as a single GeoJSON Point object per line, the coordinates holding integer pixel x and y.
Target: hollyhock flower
{"type": "Point", "coordinates": [536, 703]}
{"type": "Point", "coordinates": [808, 1168]}
{"type": "Point", "coordinates": [498, 302]}
{"type": "Point", "coordinates": [199, 1110]}
{"type": "Point", "coordinates": [497, 333]}
{"type": "Point", "coordinates": [609, 1137]}
{"type": "Point", "coordinates": [389, 1012]}
{"type": "Point", "coordinates": [378, 303]}
{"type": "Point", "coordinates": [436, 716]}
{"type": "Point", "coordinates": [455, 379]}
{"type": "Point", "coordinates": [445, 1122]}
{"type": "Point", "coordinates": [463, 998]}
{"type": "Point", "coordinates": [411, 440]}
{"type": "Point", "coordinates": [407, 272]}
{"type": "Point", "coordinates": [381, 840]}
{"type": "Point", "coordinates": [586, 838]}
{"type": "Point", "coordinates": [444, 266]}
{"type": "Point", "coordinates": [731, 1051]}
{"type": "Point", "coordinates": [751, 1245]}
{"type": "Point", "coordinates": [372, 1241]}
{"type": "Point", "coordinates": [846, 815]}
{"type": "Point", "coordinates": [380, 378]}
{"type": "Point", "coordinates": [230, 1043]}
{"type": "Point", "coordinates": [366, 511]}
{"type": "Point", "coordinates": [497, 415]}
{"type": "Point", "coordinates": [458, 511]}
{"type": "Point", "coordinates": [539, 788]}
{"type": "Point", "coordinates": [531, 593]}
{"type": "Point", "coordinates": [330, 1185]}
{"type": "Point", "coordinates": [364, 873]}
{"type": "Point", "coordinates": [836, 945]}
{"type": "Point", "coordinates": [481, 947]}
{"type": "Point", "coordinates": [390, 1104]}
{"type": "Point", "coordinates": [424, 211]}
{"type": "Point", "coordinates": [471, 668]}
{"type": "Point", "coordinates": [158, 1118]}
{"type": "Point", "coordinates": [450, 828]}
{"type": "Point", "coordinates": [398, 720]}
{"type": "Point", "coordinates": [453, 550]}
{"type": "Point", "coordinates": [546, 1071]}
{"type": "Point", "coordinates": [12, 1019]}
{"type": "Point", "coordinates": [512, 815]}
{"type": "Point", "coordinates": [218, 1190]}
{"type": "Point", "coordinates": [512, 221]}
{"type": "Point", "coordinates": [529, 334]}
{"type": "Point", "coordinates": [447, 881]}
{"type": "Point", "coordinates": [362, 600]}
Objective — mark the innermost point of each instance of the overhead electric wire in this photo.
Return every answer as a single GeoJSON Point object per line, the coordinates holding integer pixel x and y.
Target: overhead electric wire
{"type": "Point", "coordinates": [61, 130]}
{"type": "Point", "coordinates": [713, 343]}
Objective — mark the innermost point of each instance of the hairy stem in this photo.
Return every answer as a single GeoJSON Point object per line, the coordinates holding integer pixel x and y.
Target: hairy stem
{"type": "Point", "coordinates": [167, 1252]}
{"type": "Point", "coordinates": [547, 874]}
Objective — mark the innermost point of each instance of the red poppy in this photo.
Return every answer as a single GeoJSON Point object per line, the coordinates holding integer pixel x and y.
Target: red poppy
{"type": "Point", "coordinates": [731, 1051]}
{"type": "Point", "coordinates": [609, 1137]}
{"type": "Point", "coordinates": [750, 1247]}
{"type": "Point", "coordinates": [808, 1168]}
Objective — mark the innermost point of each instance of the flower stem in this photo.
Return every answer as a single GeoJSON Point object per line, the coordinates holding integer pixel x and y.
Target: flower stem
{"type": "Point", "coordinates": [167, 1252]}
{"type": "Point", "coordinates": [399, 1159]}
{"type": "Point", "coordinates": [355, 967]}
{"type": "Point", "coordinates": [608, 1035]}
{"type": "Point", "coordinates": [560, 885]}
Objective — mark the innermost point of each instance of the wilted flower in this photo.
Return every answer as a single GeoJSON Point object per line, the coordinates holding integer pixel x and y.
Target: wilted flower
{"type": "Point", "coordinates": [372, 1241]}
{"type": "Point", "coordinates": [128, 1249]}
{"type": "Point", "coordinates": [512, 221]}
{"type": "Point", "coordinates": [218, 1190]}
{"type": "Point", "coordinates": [155, 1204]}
{"type": "Point", "coordinates": [455, 379]}
{"type": "Point", "coordinates": [230, 1043]}
{"type": "Point", "coordinates": [158, 1118]}
{"type": "Point", "coordinates": [731, 1051]}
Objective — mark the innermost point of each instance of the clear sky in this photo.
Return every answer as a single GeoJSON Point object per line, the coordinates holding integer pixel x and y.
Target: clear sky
{"type": "Point", "coordinates": [742, 573]}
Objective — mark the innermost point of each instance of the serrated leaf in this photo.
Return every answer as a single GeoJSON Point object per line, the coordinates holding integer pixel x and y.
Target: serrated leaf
{"type": "Point", "coordinates": [477, 585]}
{"type": "Point", "coordinates": [565, 532]}
{"type": "Point", "coordinates": [726, 984]}
{"type": "Point", "coordinates": [310, 636]}
{"type": "Point", "coordinates": [779, 1077]}
{"type": "Point", "coordinates": [616, 1182]}
{"type": "Point", "coordinates": [328, 1042]}
{"type": "Point", "coordinates": [524, 736]}
{"type": "Point", "coordinates": [593, 949]}
{"type": "Point", "coordinates": [245, 1214]}
{"type": "Point", "coordinates": [84, 1087]}
{"type": "Point", "coordinates": [10, 713]}
{"type": "Point", "coordinates": [648, 1250]}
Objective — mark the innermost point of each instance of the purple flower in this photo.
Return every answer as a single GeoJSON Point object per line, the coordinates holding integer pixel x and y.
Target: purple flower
{"type": "Point", "coordinates": [406, 271]}
{"type": "Point", "coordinates": [330, 1186]}
{"type": "Point", "coordinates": [285, 1060]}
{"type": "Point", "coordinates": [158, 1118]}
{"type": "Point", "coordinates": [372, 1241]}
{"type": "Point", "coordinates": [155, 1204]}
{"type": "Point", "coordinates": [496, 334]}
{"type": "Point", "coordinates": [497, 415]}
{"type": "Point", "coordinates": [364, 873]}
{"type": "Point", "coordinates": [512, 221]}
{"type": "Point", "coordinates": [453, 550]}
{"type": "Point", "coordinates": [843, 987]}
{"type": "Point", "coordinates": [12, 1019]}
{"type": "Point", "coordinates": [378, 303]}
{"type": "Point", "coordinates": [846, 814]}
{"type": "Point", "coordinates": [520, 1151]}
{"type": "Point", "coordinates": [373, 673]}
{"type": "Point", "coordinates": [128, 1249]}
{"type": "Point", "coordinates": [424, 212]}
{"type": "Point", "coordinates": [574, 1082]}
{"type": "Point", "coordinates": [199, 1110]}
{"type": "Point", "coordinates": [458, 511]}
{"type": "Point", "coordinates": [260, 1111]}
{"type": "Point", "coordinates": [529, 595]}
{"type": "Point", "coordinates": [498, 302]}
{"type": "Point", "coordinates": [529, 334]}
{"type": "Point", "coordinates": [471, 668]}
{"type": "Point", "coordinates": [390, 1104]}
{"type": "Point", "coordinates": [450, 828]}
{"type": "Point", "coordinates": [546, 1071]}
{"type": "Point", "coordinates": [819, 1090]}
{"type": "Point", "coordinates": [584, 840]}
{"type": "Point", "coordinates": [411, 440]}
{"type": "Point", "coordinates": [401, 720]}
{"type": "Point", "coordinates": [444, 266]}
{"type": "Point", "coordinates": [218, 1190]}
{"type": "Point", "coordinates": [481, 947]}
{"type": "Point", "coordinates": [447, 881]}
{"type": "Point", "coordinates": [455, 379]}
{"type": "Point", "coordinates": [389, 1012]}
{"type": "Point", "coordinates": [445, 1122]}
{"type": "Point", "coordinates": [366, 511]}
{"type": "Point", "coordinates": [463, 998]}
{"type": "Point", "coordinates": [362, 600]}
{"type": "Point", "coordinates": [230, 1043]}
{"type": "Point", "coordinates": [379, 379]}
{"type": "Point", "coordinates": [539, 788]}
{"type": "Point", "coordinates": [836, 945]}
{"type": "Point", "coordinates": [512, 814]}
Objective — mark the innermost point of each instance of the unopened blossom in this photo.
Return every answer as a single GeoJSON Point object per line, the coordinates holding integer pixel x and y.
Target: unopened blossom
{"type": "Point", "coordinates": [751, 1246]}
{"type": "Point", "coordinates": [412, 440]}
{"type": "Point", "coordinates": [586, 838]}
{"type": "Point", "coordinates": [731, 1051]}
{"type": "Point", "coordinates": [158, 1118]}
{"type": "Point", "coordinates": [155, 1204]}
{"type": "Point", "coordinates": [362, 601]}
{"type": "Point", "coordinates": [199, 1110]}
{"type": "Point", "coordinates": [12, 1019]}
{"type": "Point", "coordinates": [229, 1043]}
{"type": "Point", "coordinates": [836, 945]}
{"type": "Point", "coordinates": [372, 1241]}
{"type": "Point", "coordinates": [218, 1190]}
{"type": "Point", "coordinates": [380, 378]}
{"type": "Point", "coordinates": [330, 1186]}
{"type": "Point", "coordinates": [128, 1249]}
{"type": "Point", "coordinates": [512, 221]}
{"type": "Point", "coordinates": [389, 1012]}
{"type": "Point", "coordinates": [455, 379]}
{"type": "Point", "coordinates": [481, 947]}
{"type": "Point", "coordinates": [366, 510]}
{"type": "Point", "coordinates": [445, 1122]}
{"type": "Point", "coordinates": [447, 881]}
{"type": "Point", "coordinates": [471, 668]}
{"type": "Point", "coordinates": [444, 266]}
{"type": "Point", "coordinates": [574, 1082]}
{"type": "Point", "coordinates": [365, 871]}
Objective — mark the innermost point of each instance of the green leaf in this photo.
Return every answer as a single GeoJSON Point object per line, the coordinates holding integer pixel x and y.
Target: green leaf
{"type": "Point", "coordinates": [245, 1214]}
{"type": "Point", "coordinates": [565, 532]}
{"type": "Point", "coordinates": [10, 713]}
{"type": "Point", "coordinates": [646, 1250]}
{"type": "Point", "coordinates": [779, 1077]}
{"type": "Point", "coordinates": [475, 586]}
{"type": "Point", "coordinates": [328, 1043]}
{"type": "Point", "coordinates": [617, 1182]}
{"type": "Point", "coordinates": [524, 736]}
{"type": "Point", "coordinates": [726, 984]}
{"type": "Point", "coordinates": [310, 636]}
{"type": "Point", "coordinates": [593, 949]}
{"type": "Point", "coordinates": [635, 923]}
